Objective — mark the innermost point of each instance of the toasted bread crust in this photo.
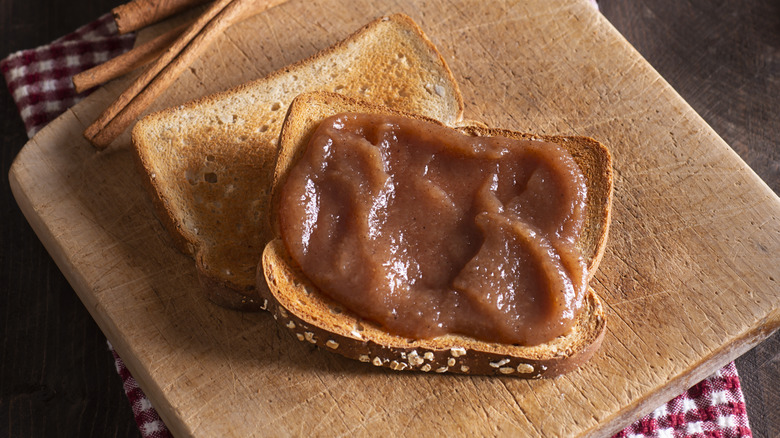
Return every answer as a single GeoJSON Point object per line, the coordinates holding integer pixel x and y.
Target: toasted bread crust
{"type": "Point", "coordinates": [315, 318]}
{"type": "Point", "coordinates": [200, 138]}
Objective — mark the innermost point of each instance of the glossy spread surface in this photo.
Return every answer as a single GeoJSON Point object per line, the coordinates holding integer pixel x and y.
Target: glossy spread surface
{"type": "Point", "coordinates": [427, 231]}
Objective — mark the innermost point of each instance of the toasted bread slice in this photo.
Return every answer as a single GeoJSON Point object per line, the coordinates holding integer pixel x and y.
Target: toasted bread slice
{"type": "Point", "coordinates": [208, 164]}
{"type": "Point", "coordinates": [315, 318]}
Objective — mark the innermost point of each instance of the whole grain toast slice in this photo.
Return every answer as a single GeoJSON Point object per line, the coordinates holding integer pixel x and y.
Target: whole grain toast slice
{"type": "Point", "coordinates": [208, 164]}
{"type": "Point", "coordinates": [298, 304]}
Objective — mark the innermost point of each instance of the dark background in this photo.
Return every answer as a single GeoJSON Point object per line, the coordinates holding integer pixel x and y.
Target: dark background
{"type": "Point", "coordinates": [57, 377]}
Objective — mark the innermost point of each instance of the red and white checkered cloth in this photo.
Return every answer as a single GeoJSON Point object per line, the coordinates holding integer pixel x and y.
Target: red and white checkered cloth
{"type": "Point", "coordinates": [40, 82]}
{"type": "Point", "coordinates": [149, 422]}
{"type": "Point", "coordinates": [40, 79]}
{"type": "Point", "coordinates": [713, 408]}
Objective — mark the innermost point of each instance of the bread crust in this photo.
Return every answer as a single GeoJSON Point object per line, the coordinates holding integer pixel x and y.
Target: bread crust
{"type": "Point", "coordinates": [220, 252]}
{"type": "Point", "coordinates": [315, 318]}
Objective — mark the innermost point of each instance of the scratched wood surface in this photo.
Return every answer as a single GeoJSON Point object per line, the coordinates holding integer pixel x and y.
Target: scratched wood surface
{"type": "Point", "coordinates": [690, 276]}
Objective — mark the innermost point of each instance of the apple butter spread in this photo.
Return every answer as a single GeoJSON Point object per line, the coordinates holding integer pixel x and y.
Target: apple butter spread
{"type": "Point", "coordinates": [427, 231]}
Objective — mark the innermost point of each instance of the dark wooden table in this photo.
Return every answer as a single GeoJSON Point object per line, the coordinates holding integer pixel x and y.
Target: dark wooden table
{"type": "Point", "coordinates": [57, 377]}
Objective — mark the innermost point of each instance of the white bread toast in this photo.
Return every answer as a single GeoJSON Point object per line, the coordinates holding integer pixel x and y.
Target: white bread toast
{"type": "Point", "coordinates": [300, 306]}
{"type": "Point", "coordinates": [208, 164]}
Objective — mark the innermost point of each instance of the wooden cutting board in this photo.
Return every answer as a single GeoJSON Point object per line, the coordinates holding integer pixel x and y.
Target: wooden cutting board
{"type": "Point", "coordinates": [691, 276]}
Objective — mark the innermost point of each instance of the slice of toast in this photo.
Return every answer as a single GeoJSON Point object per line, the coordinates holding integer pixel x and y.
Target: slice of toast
{"type": "Point", "coordinates": [208, 164]}
{"type": "Point", "coordinates": [315, 318]}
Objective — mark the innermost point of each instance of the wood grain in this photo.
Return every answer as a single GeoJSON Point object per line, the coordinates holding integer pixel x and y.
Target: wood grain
{"type": "Point", "coordinates": [724, 59]}
{"type": "Point", "coordinates": [337, 380]}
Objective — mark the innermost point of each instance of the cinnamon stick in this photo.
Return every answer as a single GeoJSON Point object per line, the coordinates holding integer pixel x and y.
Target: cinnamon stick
{"type": "Point", "coordinates": [138, 14]}
{"type": "Point", "coordinates": [160, 74]}
{"type": "Point", "coordinates": [126, 62]}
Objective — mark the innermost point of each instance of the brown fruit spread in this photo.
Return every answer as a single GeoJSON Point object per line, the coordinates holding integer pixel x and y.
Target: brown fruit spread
{"type": "Point", "coordinates": [427, 231]}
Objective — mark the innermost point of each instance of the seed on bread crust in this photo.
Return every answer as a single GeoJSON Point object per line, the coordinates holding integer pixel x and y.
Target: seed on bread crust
{"type": "Point", "coordinates": [457, 351]}
{"type": "Point", "coordinates": [500, 363]}
{"type": "Point", "coordinates": [397, 366]}
{"type": "Point", "coordinates": [415, 359]}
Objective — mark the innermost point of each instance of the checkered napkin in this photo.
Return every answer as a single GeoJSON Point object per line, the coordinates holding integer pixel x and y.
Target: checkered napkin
{"type": "Point", "coordinates": [40, 82]}
{"type": "Point", "coordinates": [713, 408]}
{"type": "Point", "coordinates": [40, 79]}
